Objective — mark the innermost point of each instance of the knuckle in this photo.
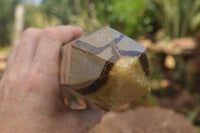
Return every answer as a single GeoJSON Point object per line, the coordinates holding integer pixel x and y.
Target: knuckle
{"type": "Point", "coordinates": [35, 78]}
{"type": "Point", "coordinates": [29, 31]}
{"type": "Point", "coordinates": [50, 34]}
{"type": "Point", "coordinates": [34, 75]}
{"type": "Point", "coordinates": [12, 78]}
{"type": "Point", "coordinates": [16, 75]}
{"type": "Point", "coordinates": [68, 26]}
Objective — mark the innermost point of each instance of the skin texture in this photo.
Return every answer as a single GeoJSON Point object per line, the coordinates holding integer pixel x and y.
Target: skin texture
{"type": "Point", "coordinates": [30, 98]}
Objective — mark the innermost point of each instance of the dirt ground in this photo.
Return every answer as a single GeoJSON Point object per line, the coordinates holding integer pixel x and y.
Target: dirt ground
{"type": "Point", "coordinates": [144, 120]}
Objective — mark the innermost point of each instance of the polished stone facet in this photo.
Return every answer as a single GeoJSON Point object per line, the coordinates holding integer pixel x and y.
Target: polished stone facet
{"type": "Point", "coordinates": [106, 67]}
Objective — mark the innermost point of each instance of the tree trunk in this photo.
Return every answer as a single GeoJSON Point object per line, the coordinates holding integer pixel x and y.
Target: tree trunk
{"type": "Point", "coordinates": [19, 23]}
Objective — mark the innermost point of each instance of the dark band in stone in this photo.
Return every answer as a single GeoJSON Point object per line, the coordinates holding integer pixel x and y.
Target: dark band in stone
{"type": "Point", "coordinates": [92, 49]}
{"type": "Point", "coordinates": [145, 63]}
{"type": "Point", "coordinates": [129, 53]}
{"type": "Point", "coordinates": [116, 53]}
{"type": "Point", "coordinates": [97, 50]}
{"type": "Point", "coordinates": [119, 38]}
{"type": "Point", "coordinates": [99, 82]}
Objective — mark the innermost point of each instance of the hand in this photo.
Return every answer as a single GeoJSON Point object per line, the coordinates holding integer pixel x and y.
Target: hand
{"type": "Point", "coordinates": [30, 98]}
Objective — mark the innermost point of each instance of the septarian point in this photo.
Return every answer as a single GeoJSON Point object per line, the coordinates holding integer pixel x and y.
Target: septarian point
{"type": "Point", "coordinates": [106, 67]}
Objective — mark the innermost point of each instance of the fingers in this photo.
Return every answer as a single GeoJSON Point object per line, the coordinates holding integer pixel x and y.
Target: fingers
{"type": "Point", "coordinates": [87, 119]}
{"type": "Point", "coordinates": [47, 54]}
{"type": "Point", "coordinates": [35, 61]}
{"type": "Point", "coordinates": [27, 47]}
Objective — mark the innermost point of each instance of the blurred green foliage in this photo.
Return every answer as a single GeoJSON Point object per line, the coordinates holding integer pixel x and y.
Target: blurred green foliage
{"type": "Point", "coordinates": [41, 19]}
{"type": "Point", "coordinates": [131, 17]}
{"type": "Point", "coordinates": [74, 12]}
{"type": "Point", "coordinates": [6, 20]}
{"type": "Point", "coordinates": [61, 9]}
{"type": "Point", "coordinates": [177, 17]}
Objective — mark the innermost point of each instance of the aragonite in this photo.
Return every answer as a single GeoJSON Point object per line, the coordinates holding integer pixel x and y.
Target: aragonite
{"type": "Point", "coordinates": [105, 67]}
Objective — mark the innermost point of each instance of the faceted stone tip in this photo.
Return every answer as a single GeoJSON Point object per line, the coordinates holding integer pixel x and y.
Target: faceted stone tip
{"type": "Point", "coordinates": [106, 67]}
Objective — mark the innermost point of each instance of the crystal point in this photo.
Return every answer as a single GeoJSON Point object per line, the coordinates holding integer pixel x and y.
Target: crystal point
{"type": "Point", "coordinates": [107, 67]}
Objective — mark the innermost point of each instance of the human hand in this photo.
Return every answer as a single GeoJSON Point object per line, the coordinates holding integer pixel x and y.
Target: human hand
{"type": "Point", "coordinates": [30, 98]}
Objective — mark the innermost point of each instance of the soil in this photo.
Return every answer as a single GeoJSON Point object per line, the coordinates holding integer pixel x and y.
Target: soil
{"type": "Point", "coordinates": [144, 120]}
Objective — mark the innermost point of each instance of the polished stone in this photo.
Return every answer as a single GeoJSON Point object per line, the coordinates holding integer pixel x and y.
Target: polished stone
{"type": "Point", "coordinates": [106, 67]}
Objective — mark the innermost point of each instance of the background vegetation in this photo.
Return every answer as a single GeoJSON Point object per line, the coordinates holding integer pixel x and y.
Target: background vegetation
{"type": "Point", "coordinates": [162, 23]}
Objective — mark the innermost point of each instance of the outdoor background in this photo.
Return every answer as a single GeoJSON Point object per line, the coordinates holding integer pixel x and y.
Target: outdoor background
{"type": "Point", "coordinates": [170, 29]}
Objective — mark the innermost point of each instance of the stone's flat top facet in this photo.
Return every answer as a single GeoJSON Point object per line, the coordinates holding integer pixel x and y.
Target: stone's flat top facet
{"type": "Point", "coordinates": [85, 68]}
{"type": "Point", "coordinates": [109, 44]}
